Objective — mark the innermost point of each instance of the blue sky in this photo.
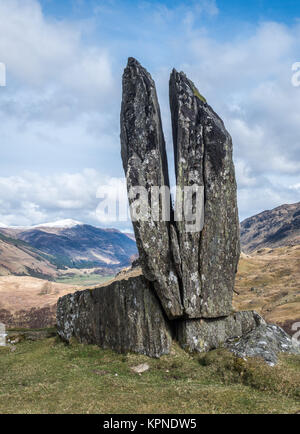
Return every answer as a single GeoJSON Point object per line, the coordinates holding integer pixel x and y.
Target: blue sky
{"type": "Point", "coordinates": [59, 113]}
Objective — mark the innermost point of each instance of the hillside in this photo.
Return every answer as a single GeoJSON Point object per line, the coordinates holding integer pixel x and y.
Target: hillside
{"type": "Point", "coordinates": [66, 246]}
{"type": "Point", "coordinates": [19, 258]}
{"type": "Point", "coordinates": [275, 228]}
{"type": "Point", "coordinates": [268, 281]}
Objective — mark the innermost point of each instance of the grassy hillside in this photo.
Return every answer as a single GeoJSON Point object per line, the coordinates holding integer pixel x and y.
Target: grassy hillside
{"type": "Point", "coordinates": [49, 377]}
{"type": "Point", "coordinates": [268, 281]}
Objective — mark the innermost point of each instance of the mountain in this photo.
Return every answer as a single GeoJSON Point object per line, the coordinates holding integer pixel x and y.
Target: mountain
{"type": "Point", "coordinates": [72, 244]}
{"type": "Point", "coordinates": [66, 223]}
{"type": "Point", "coordinates": [275, 228]}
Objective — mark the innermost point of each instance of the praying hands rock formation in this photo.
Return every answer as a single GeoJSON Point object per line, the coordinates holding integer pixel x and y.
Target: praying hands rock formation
{"type": "Point", "coordinates": [189, 263]}
{"type": "Point", "coordinates": [193, 271]}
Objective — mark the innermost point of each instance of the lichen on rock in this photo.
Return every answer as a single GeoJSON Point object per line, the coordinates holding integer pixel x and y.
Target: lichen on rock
{"type": "Point", "coordinates": [266, 342]}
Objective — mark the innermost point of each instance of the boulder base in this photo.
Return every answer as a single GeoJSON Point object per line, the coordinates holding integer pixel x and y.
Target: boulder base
{"type": "Point", "coordinates": [123, 316]}
{"type": "Point", "coordinates": [266, 342]}
{"type": "Point", "coordinates": [207, 334]}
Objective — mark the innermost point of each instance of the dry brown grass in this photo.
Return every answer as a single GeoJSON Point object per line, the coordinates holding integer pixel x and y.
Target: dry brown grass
{"type": "Point", "coordinates": [25, 292]}
{"type": "Point", "coordinates": [269, 281]}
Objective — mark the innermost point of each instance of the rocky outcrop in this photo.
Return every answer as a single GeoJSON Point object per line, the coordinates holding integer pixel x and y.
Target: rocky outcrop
{"type": "Point", "coordinates": [202, 335]}
{"type": "Point", "coordinates": [203, 157]}
{"type": "Point", "coordinates": [145, 165]}
{"type": "Point", "coordinates": [188, 275]}
{"type": "Point", "coordinates": [193, 270]}
{"type": "Point", "coordinates": [266, 342]}
{"type": "Point", "coordinates": [124, 316]}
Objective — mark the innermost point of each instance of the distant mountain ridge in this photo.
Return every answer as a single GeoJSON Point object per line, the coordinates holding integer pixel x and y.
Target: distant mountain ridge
{"type": "Point", "coordinates": [66, 223]}
{"type": "Point", "coordinates": [69, 244]}
{"type": "Point", "coordinates": [42, 250]}
{"type": "Point", "coordinates": [273, 228]}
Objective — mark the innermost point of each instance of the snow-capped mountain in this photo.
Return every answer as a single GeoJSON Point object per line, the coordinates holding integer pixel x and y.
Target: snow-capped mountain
{"type": "Point", "coordinates": [64, 224]}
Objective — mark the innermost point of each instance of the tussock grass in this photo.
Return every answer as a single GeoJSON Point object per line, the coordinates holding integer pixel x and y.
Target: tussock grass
{"type": "Point", "coordinates": [48, 376]}
{"type": "Point", "coordinates": [283, 379]}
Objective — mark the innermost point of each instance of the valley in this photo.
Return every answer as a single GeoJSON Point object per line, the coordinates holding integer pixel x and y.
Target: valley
{"type": "Point", "coordinates": [32, 278]}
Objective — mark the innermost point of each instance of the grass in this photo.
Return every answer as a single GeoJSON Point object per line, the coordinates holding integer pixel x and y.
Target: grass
{"type": "Point", "coordinates": [48, 376]}
{"type": "Point", "coordinates": [84, 280]}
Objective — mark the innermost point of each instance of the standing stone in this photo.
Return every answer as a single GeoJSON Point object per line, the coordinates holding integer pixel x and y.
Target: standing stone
{"type": "Point", "coordinates": [123, 316]}
{"type": "Point", "coordinates": [203, 157]}
{"type": "Point", "coordinates": [145, 164]}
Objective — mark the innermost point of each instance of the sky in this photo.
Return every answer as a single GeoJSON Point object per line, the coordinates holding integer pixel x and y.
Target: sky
{"type": "Point", "coordinates": [60, 108]}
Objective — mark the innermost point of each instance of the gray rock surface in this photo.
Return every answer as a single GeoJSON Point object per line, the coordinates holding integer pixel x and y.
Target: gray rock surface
{"type": "Point", "coordinates": [145, 164]}
{"type": "Point", "coordinates": [124, 316]}
{"type": "Point", "coordinates": [207, 334]}
{"type": "Point", "coordinates": [266, 341]}
{"type": "Point", "coordinates": [203, 156]}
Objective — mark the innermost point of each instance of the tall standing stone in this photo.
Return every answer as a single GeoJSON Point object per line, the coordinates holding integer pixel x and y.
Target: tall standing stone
{"type": "Point", "coordinates": [203, 156]}
{"type": "Point", "coordinates": [145, 164]}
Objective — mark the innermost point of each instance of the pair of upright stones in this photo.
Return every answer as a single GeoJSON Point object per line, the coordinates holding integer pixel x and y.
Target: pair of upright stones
{"type": "Point", "coordinates": [188, 275]}
{"type": "Point", "coordinates": [192, 272]}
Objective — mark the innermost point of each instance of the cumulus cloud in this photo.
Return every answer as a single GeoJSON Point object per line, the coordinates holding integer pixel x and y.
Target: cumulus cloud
{"type": "Point", "coordinates": [41, 52]}
{"type": "Point", "coordinates": [248, 82]}
{"type": "Point", "coordinates": [60, 110]}
{"type": "Point", "coordinates": [78, 196]}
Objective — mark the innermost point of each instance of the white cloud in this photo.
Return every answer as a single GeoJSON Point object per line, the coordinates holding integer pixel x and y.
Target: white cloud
{"type": "Point", "coordinates": [33, 198]}
{"type": "Point", "coordinates": [60, 110]}
{"type": "Point", "coordinates": [248, 82]}
{"type": "Point", "coordinates": [39, 52]}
